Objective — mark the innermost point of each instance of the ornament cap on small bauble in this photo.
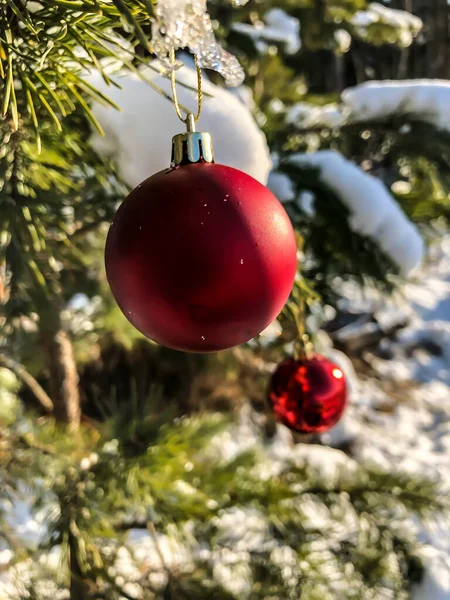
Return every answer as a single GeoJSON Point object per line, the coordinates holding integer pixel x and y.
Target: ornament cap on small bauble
{"type": "Point", "coordinates": [193, 146]}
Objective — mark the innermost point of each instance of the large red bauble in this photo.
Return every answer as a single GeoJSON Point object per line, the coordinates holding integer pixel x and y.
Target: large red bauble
{"type": "Point", "coordinates": [201, 257]}
{"type": "Point", "coordinates": [308, 396]}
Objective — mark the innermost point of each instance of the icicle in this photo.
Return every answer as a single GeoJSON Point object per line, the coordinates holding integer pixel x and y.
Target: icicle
{"type": "Point", "coordinates": [186, 23]}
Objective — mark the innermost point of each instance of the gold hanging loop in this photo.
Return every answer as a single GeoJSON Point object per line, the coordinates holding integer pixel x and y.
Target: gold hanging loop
{"type": "Point", "coordinates": [191, 147]}
{"type": "Point", "coordinates": [190, 119]}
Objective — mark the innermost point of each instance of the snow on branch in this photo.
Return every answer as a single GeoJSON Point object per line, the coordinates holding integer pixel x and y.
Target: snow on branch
{"type": "Point", "coordinates": [138, 136]}
{"type": "Point", "coordinates": [405, 25]}
{"type": "Point", "coordinates": [306, 115]}
{"type": "Point", "coordinates": [373, 211]}
{"type": "Point", "coordinates": [278, 27]}
{"type": "Point", "coordinates": [426, 100]}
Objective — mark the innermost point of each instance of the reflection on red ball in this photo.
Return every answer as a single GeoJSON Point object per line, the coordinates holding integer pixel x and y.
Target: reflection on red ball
{"type": "Point", "coordinates": [201, 257]}
{"type": "Point", "coordinates": [308, 396]}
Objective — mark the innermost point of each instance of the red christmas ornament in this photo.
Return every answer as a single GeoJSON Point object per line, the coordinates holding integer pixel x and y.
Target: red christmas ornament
{"type": "Point", "coordinates": [309, 395]}
{"type": "Point", "coordinates": [200, 257]}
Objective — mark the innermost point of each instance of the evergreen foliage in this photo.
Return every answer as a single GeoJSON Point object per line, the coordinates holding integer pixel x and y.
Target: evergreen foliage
{"type": "Point", "coordinates": [219, 524]}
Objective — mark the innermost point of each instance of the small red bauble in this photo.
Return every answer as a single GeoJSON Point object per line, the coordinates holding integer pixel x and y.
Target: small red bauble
{"type": "Point", "coordinates": [201, 257]}
{"type": "Point", "coordinates": [309, 395]}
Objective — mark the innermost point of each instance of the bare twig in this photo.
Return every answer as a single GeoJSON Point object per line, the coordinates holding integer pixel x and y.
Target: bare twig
{"type": "Point", "coordinates": [28, 379]}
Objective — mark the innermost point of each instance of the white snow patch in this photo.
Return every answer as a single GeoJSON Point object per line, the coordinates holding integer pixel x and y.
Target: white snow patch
{"type": "Point", "coordinates": [232, 570]}
{"type": "Point", "coordinates": [245, 95]}
{"type": "Point", "coordinates": [29, 527]}
{"type": "Point", "coordinates": [34, 7]}
{"type": "Point", "coordinates": [305, 202]}
{"type": "Point", "coordinates": [328, 463]}
{"type": "Point", "coordinates": [426, 100]}
{"type": "Point", "coordinates": [436, 582]}
{"type": "Point", "coordinates": [305, 115]}
{"type": "Point", "coordinates": [138, 137]}
{"type": "Point", "coordinates": [422, 350]}
{"type": "Point", "coordinates": [279, 27]}
{"type": "Point", "coordinates": [407, 26]}
{"type": "Point", "coordinates": [374, 212]}
{"type": "Point", "coordinates": [282, 186]}
{"type": "Point", "coordinates": [5, 557]}
{"type": "Point", "coordinates": [401, 187]}
{"type": "Point", "coordinates": [410, 430]}
{"type": "Point", "coordinates": [242, 528]}
{"type": "Point", "coordinates": [421, 99]}
{"type": "Point", "coordinates": [343, 40]}
{"type": "Point", "coordinates": [270, 333]}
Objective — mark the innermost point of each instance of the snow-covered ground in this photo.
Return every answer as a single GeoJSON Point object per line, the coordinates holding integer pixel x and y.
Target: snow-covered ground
{"type": "Point", "coordinates": [407, 425]}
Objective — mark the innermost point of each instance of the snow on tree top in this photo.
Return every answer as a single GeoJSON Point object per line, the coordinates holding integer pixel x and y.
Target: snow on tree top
{"type": "Point", "coordinates": [139, 142]}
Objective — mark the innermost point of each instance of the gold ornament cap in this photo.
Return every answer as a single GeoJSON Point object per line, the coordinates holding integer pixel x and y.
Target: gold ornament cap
{"type": "Point", "coordinates": [193, 146]}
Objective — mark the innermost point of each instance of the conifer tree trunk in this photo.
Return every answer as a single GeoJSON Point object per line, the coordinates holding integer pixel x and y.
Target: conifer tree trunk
{"type": "Point", "coordinates": [62, 369]}
{"type": "Point", "coordinates": [437, 26]}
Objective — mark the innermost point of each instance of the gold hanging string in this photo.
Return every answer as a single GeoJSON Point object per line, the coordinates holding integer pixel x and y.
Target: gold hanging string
{"type": "Point", "coordinates": [296, 308]}
{"type": "Point", "coordinates": [187, 119]}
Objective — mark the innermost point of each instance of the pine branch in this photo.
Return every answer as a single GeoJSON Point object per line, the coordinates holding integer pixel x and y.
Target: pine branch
{"type": "Point", "coordinates": [44, 50]}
